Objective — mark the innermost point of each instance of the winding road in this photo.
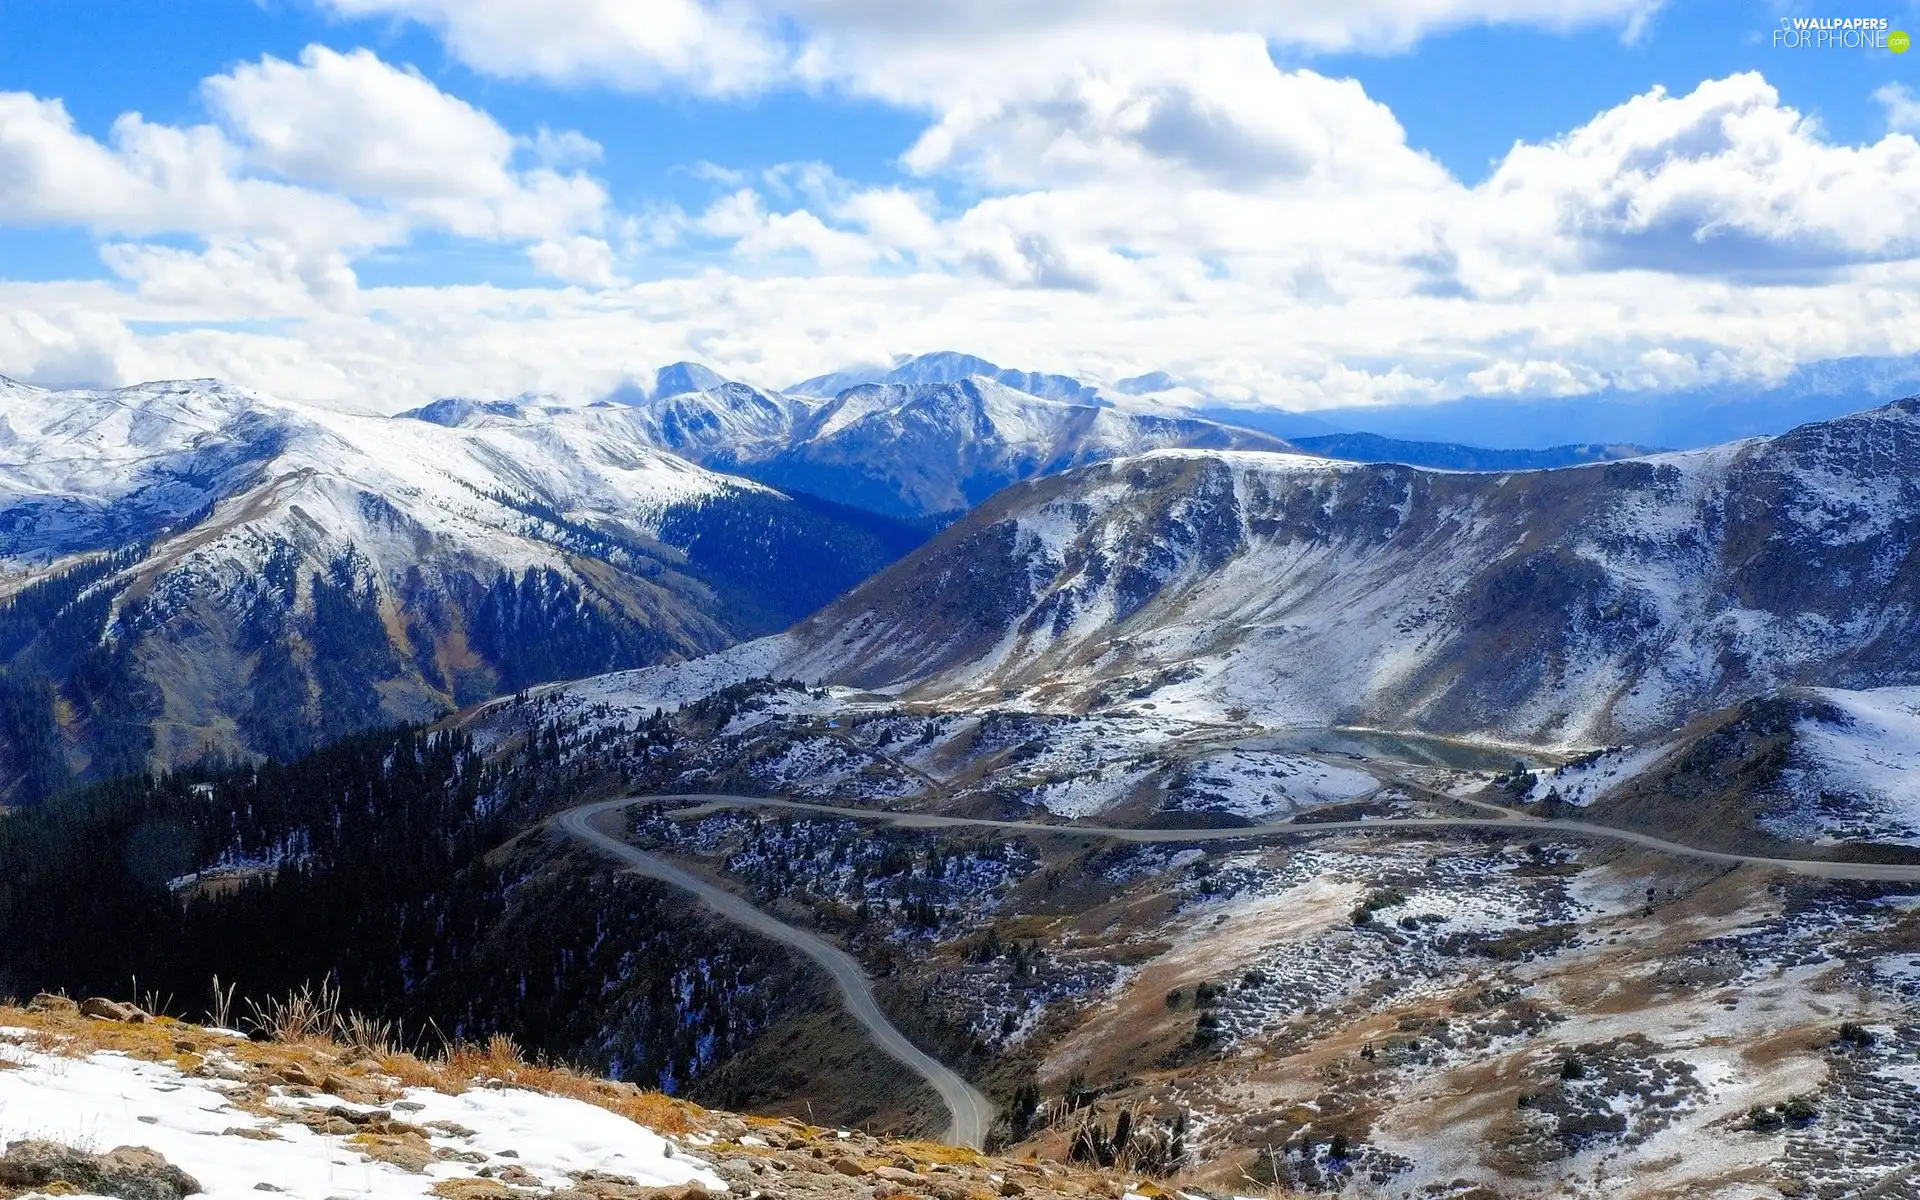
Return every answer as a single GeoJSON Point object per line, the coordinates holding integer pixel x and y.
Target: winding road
{"type": "Point", "coordinates": [971, 1112]}
{"type": "Point", "coordinates": [1820, 868]}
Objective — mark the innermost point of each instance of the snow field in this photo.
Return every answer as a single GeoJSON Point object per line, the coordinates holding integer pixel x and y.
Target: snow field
{"type": "Point", "coordinates": [106, 1100]}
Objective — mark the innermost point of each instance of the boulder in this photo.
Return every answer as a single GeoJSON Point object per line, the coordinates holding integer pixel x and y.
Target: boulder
{"type": "Point", "coordinates": [47, 1002]}
{"type": "Point", "coordinates": [128, 1173]}
{"type": "Point", "coordinates": [111, 1010]}
{"type": "Point", "coordinates": [36, 1163]}
{"type": "Point", "coordinates": [137, 1173]}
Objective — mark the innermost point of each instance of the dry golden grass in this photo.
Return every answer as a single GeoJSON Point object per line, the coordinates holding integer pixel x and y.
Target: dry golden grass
{"type": "Point", "coordinates": [341, 1067]}
{"type": "Point", "coordinates": [459, 1067]}
{"type": "Point", "coordinates": [471, 1189]}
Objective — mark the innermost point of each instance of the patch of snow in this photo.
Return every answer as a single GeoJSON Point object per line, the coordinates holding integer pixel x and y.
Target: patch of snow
{"type": "Point", "coordinates": [1258, 785]}
{"type": "Point", "coordinates": [1595, 775]}
{"type": "Point", "coordinates": [106, 1100]}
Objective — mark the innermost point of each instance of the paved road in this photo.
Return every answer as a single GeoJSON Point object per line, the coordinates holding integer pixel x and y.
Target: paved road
{"type": "Point", "coordinates": [971, 1112]}
{"type": "Point", "coordinates": [1821, 868]}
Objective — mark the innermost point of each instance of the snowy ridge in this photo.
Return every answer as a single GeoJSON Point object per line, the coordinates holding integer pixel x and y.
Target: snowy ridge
{"type": "Point", "coordinates": [465, 547]}
{"type": "Point", "coordinates": [78, 469]}
{"type": "Point", "coordinates": [1571, 608]}
{"type": "Point", "coordinates": [934, 436]}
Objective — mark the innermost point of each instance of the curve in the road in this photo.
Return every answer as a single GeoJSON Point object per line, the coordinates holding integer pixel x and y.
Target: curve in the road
{"type": "Point", "coordinates": [970, 1111]}
{"type": "Point", "coordinates": [1821, 868]}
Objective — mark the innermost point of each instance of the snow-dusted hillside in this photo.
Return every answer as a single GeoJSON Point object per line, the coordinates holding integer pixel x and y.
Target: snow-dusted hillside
{"type": "Point", "coordinates": [278, 570]}
{"type": "Point", "coordinates": [1575, 607]}
{"type": "Point", "coordinates": [1854, 769]}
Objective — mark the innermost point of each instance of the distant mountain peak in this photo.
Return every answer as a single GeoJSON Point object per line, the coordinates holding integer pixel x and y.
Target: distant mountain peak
{"type": "Point", "coordinates": [1144, 385]}
{"type": "Point", "coordinates": [674, 379]}
{"type": "Point", "coordinates": [950, 366]}
{"type": "Point", "coordinates": [677, 379]}
{"type": "Point", "coordinates": [455, 411]}
{"type": "Point", "coordinates": [941, 366]}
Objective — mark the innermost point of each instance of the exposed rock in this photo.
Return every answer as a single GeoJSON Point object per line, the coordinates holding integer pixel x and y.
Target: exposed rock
{"type": "Point", "coordinates": [847, 1166]}
{"type": "Point", "coordinates": [47, 1002]}
{"type": "Point", "coordinates": [359, 1091]}
{"type": "Point", "coordinates": [299, 1074]}
{"type": "Point", "coordinates": [137, 1173]}
{"type": "Point", "coordinates": [38, 1163]}
{"type": "Point", "coordinates": [129, 1172]}
{"type": "Point", "coordinates": [408, 1151]}
{"type": "Point", "coordinates": [251, 1133]}
{"type": "Point", "coordinates": [111, 1010]}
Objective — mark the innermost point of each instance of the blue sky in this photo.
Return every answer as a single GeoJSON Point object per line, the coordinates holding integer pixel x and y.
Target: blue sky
{"type": "Point", "coordinates": [372, 202]}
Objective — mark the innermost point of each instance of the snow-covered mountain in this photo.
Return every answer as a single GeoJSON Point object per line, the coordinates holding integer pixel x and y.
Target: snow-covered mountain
{"type": "Point", "coordinates": [1588, 605]}
{"type": "Point", "coordinates": [930, 438]}
{"type": "Point", "coordinates": [193, 567]}
{"type": "Point", "coordinates": [939, 448]}
{"type": "Point", "coordinates": [950, 366]}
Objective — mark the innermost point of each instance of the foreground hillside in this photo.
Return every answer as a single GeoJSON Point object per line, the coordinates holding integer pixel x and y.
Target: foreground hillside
{"type": "Point", "coordinates": [150, 1108]}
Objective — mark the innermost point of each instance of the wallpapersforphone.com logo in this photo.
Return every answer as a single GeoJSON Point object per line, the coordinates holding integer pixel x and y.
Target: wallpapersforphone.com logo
{"type": "Point", "coordinates": [1840, 33]}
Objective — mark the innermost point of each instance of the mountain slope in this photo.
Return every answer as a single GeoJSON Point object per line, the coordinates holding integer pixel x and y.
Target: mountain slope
{"type": "Point", "coordinates": [1820, 766]}
{"type": "Point", "coordinates": [1570, 607]}
{"type": "Point", "coordinates": [197, 568]}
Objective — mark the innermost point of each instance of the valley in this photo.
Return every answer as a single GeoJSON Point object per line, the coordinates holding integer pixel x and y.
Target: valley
{"type": "Point", "coordinates": [1406, 963]}
{"type": "Point", "coordinates": [1083, 782]}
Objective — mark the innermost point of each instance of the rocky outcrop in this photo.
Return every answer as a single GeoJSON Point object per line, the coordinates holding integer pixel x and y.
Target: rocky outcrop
{"type": "Point", "coordinates": [128, 1173]}
{"type": "Point", "coordinates": [104, 1009]}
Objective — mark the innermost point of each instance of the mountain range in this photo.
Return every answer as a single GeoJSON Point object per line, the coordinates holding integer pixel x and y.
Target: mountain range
{"type": "Point", "coordinates": [1564, 608]}
{"type": "Point", "coordinates": [927, 440]}
{"type": "Point", "coordinates": [193, 568]}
